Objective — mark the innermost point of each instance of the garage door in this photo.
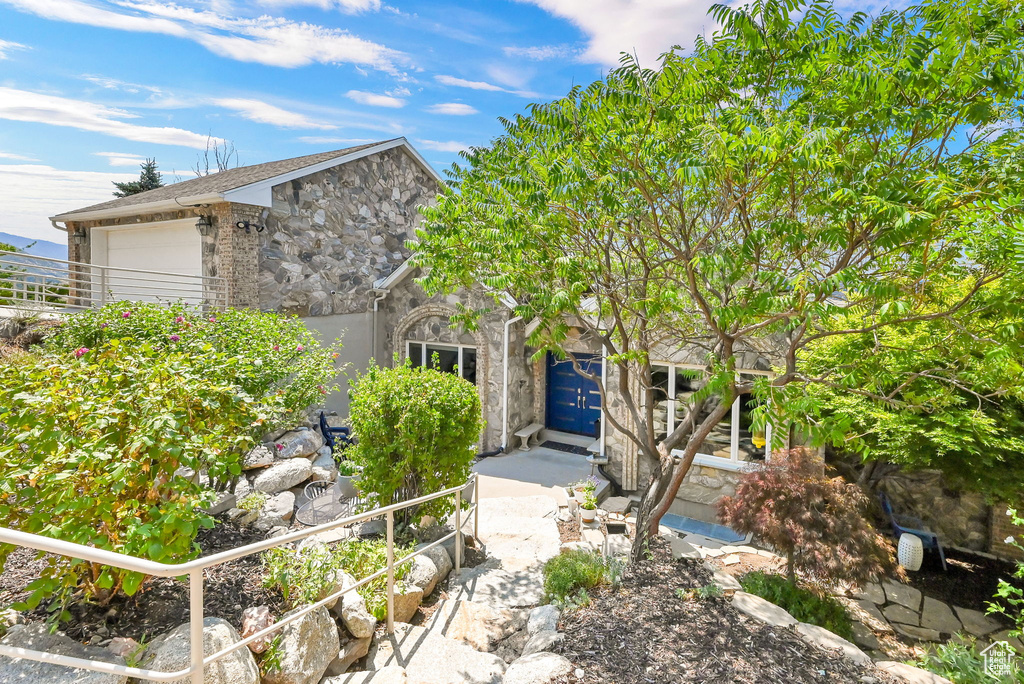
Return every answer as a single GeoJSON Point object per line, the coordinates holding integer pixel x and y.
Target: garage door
{"type": "Point", "coordinates": [171, 247]}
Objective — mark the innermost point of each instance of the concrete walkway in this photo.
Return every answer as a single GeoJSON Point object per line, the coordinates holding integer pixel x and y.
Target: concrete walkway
{"type": "Point", "coordinates": [537, 472]}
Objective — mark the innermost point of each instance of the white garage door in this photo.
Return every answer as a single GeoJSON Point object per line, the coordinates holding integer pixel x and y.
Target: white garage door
{"type": "Point", "coordinates": [169, 247]}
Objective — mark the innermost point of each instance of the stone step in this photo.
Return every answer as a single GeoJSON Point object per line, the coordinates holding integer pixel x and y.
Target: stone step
{"type": "Point", "coordinates": [492, 584]}
{"type": "Point", "coordinates": [431, 659]}
{"type": "Point", "coordinates": [480, 625]}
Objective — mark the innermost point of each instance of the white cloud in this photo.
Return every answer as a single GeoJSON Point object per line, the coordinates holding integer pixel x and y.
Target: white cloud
{"type": "Point", "coordinates": [540, 53]}
{"type": "Point", "coordinates": [16, 157]}
{"type": "Point", "coordinates": [30, 193]}
{"type": "Point", "coordinates": [375, 99]}
{"type": "Point", "coordinates": [514, 77]}
{"type": "Point", "coordinates": [266, 40]}
{"type": "Point", "coordinates": [115, 84]}
{"type": "Point", "coordinates": [452, 109]}
{"type": "Point", "coordinates": [442, 146]}
{"type": "Point", "coordinates": [346, 6]}
{"type": "Point", "coordinates": [646, 27]}
{"type": "Point", "coordinates": [9, 45]}
{"type": "Point", "coordinates": [22, 105]}
{"type": "Point", "coordinates": [121, 158]}
{"type": "Point", "coordinates": [479, 85]}
{"type": "Point", "coordinates": [261, 112]}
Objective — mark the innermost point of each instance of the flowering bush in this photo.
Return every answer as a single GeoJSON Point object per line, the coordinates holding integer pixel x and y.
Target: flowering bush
{"type": "Point", "coordinates": [417, 429]}
{"type": "Point", "coordinates": [276, 359]}
{"type": "Point", "coordinates": [817, 522]}
{"type": "Point", "coordinates": [94, 450]}
{"type": "Point", "coordinates": [1010, 598]}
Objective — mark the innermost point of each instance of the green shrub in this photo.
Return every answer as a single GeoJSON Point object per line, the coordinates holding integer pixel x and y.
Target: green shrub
{"type": "Point", "coordinates": [93, 451]}
{"type": "Point", "coordinates": [961, 663]}
{"type": "Point", "coordinates": [277, 358]}
{"type": "Point", "coordinates": [417, 429]}
{"type": "Point", "coordinates": [805, 604]}
{"type": "Point", "coordinates": [568, 575]}
{"type": "Point", "coordinates": [1009, 597]}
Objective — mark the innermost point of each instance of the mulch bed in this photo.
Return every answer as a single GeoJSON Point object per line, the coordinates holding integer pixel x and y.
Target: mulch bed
{"type": "Point", "coordinates": [162, 604]}
{"type": "Point", "coordinates": [569, 530]}
{"type": "Point", "coordinates": [970, 581]}
{"type": "Point", "coordinates": [644, 633]}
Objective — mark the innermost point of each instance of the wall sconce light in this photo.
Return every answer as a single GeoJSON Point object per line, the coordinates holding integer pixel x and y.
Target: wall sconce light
{"type": "Point", "coordinates": [247, 227]}
{"type": "Point", "coordinates": [204, 226]}
{"type": "Point", "coordinates": [79, 237]}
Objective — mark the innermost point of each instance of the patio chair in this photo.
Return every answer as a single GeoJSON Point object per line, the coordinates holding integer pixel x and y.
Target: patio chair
{"type": "Point", "coordinates": [908, 524]}
{"type": "Point", "coordinates": [337, 438]}
{"type": "Point", "coordinates": [328, 502]}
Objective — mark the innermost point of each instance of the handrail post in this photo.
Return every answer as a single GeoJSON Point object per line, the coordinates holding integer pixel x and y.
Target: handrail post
{"type": "Point", "coordinates": [195, 605]}
{"type": "Point", "coordinates": [458, 532]}
{"type": "Point", "coordinates": [391, 572]}
{"type": "Point", "coordinates": [476, 509]}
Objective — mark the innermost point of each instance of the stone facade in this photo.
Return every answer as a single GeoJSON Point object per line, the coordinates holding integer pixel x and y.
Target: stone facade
{"type": "Point", "coordinates": [331, 234]}
{"type": "Point", "coordinates": [1002, 528]}
{"type": "Point", "coordinates": [959, 518]}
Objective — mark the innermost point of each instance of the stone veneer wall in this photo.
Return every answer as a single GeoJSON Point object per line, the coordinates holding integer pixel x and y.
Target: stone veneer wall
{"type": "Point", "coordinates": [331, 234]}
{"type": "Point", "coordinates": [1001, 528]}
{"type": "Point", "coordinates": [960, 518]}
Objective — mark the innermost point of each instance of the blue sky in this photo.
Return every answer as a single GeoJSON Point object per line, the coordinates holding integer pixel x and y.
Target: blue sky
{"type": "Point", "coordinates": [89, 88]}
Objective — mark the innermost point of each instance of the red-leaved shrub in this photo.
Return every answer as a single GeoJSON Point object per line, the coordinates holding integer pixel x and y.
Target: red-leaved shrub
{"type": "Point", "coordinates": [817, 522]}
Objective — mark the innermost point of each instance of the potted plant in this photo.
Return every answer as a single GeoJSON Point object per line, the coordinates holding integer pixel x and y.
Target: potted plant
{"type": "Point", "coordinates": [582, 488]}
{"type": "Point", "coordinates": [348, 471]}
{"type": "Point", "coordinates": [588, 509]}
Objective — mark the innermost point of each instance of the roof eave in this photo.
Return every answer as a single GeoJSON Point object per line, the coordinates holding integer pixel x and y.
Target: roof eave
{"type": "Point", "coordinates": [144, 208]}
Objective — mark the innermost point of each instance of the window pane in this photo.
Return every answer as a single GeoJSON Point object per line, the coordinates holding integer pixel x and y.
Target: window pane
{"type": "Point", "coordinates": [444, 359]}
{"type": "Point", "coordinates": [751, 440]}
{"type": "Point", "coordinates": [659, 380]}
{"type": "Point", "coordinates": [416, 354]}
{"type": "Point", "coordinates": [469, 364]}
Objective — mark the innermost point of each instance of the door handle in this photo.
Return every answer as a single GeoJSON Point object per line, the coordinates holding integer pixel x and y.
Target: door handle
{"type": "Point", "coordinates": [584, 402]}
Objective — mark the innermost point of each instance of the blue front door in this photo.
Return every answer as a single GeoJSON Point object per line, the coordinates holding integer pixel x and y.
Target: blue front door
{"type": "Point", "coordinates": [573, 401]}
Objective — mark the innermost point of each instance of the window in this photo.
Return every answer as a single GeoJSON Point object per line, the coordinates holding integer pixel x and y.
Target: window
{"type": "Point", "coordinates": [733, 441]}
{"type": "Point", "coordinates": [448, 358]}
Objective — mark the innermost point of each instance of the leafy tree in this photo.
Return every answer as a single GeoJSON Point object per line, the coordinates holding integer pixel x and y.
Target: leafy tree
{"type": "Point", "coordinates": [417, 428]}
{"type": "Point", "coordinates": [794, 168]}
{"type": "Point", "coordinates": [817, 522]}
{"type": "Point", "coordinates": [149, 179]}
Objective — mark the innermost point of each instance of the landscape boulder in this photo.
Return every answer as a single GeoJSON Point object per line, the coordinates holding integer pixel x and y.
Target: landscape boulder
{"type": "Point", "coordinates": [537, 668]}
{"type": "Point", "coordinates": [280, 505]}
{"type": "Point", "coordinates": [307, 647]}
{"type": "Point", "coordinates": [478, 624]}
{"type": "Point", "coordinates": [393, 674]}
{"type": "Point", "coordinates": [543, 619]}
{"type": "Point", "coordinates": [407, 600]}
{"type": "Point", "coordinates": [821, 637]}
{"type": "Point", "coordinates": [765, 611]}
{"type": "Point", "coordinates": [542, 641]}
{"type": "Point", "coordinates": [259, 456]}
{"type": "Point", "coordinates": [171, 651]}
{"type": "Point", "coordinates": [423, 573]}
{"type": "Point", "coordinates": [298, 443]}
{"type": "Point", "coordinates": [351, 608]}
{"type": "Point", "coordinates": [351, 651]}
{"type": "Point", "coordinates": [256, 619]}
{"type": "Point", "coordinates": [37, 637]}
{"type": "Point", "coordinates": [421, 653]}
{"type": "Point", "coordinates": [282, 476]}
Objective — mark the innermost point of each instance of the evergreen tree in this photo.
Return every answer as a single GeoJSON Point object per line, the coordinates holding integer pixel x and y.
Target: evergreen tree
{"type": "Point", "coordinates": [149, 179]}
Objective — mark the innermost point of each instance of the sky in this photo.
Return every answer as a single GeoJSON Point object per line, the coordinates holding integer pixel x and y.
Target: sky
{"type": "Point", "coordinates": [90, 88]}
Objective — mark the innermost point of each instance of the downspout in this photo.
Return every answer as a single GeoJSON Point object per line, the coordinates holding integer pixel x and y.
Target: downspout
{"type": "Point", "coordinates": [381, 294]}
{"type": "Point", "coordinates": [504, 384]}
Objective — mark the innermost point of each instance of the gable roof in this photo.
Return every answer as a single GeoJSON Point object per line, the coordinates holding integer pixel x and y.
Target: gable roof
{"type": "Point", "coordinates": [245, 184]}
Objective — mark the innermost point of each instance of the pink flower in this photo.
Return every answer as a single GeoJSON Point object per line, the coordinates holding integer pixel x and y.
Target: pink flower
{"type": "Point", "coordinates": [175, 338]}
{"type": "Point", "coordinates": [213, 319]}
{"type": "Point", "coordinates": [81, 351]}
{"type": "Point", "coordinates": [179, 319]}
{"type": "Point", "coordinates": [279, 447]}
{"type": "Point", "coordinates": [277, 347]}
{"type": "Point", "coordinates": [126, 314]}
{"type": "Point", "coordinates": [299, 348]}
{"type": "Point", "coordinates": [103, 325]}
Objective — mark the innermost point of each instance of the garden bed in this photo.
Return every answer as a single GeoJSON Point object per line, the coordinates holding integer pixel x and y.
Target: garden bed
{"type": "Point", "coordinates": [970, 581]}
{"type": "Point", "coordinates": [644, 632]}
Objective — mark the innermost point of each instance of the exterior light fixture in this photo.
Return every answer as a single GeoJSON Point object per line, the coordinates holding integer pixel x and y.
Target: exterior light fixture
{"type": "Point", "coordinates": [79, 237]}
{"type": "Point", "coordinates": [247, 227]}
{"type": "Point", "coordinates": [204, 226]}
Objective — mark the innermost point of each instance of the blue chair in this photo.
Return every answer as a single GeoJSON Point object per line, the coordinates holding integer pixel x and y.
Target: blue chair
{"type": "Point", "coordinates": [908, 524]}
{"type": "Point", "coordinates": [337, 438]}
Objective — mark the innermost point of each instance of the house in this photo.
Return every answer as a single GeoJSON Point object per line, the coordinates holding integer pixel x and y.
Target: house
{"type": "Point", "coordinates": [323, 237]}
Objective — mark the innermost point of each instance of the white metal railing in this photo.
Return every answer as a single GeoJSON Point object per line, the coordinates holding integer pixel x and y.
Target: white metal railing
{"type": "Point", "coordinates": [41, 283]}
{"type": "Point", "coordinates": [194, 570]}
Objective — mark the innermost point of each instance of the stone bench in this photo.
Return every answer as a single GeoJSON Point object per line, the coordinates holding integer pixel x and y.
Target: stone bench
{"type": "Point", "coordinates": [527, 433]}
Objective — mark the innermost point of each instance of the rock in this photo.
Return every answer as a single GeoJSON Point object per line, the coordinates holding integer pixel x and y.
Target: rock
{"type": "Point", "coordinates": [298, 443]}
{"type": "Point", "coordinates": [864, 637]}
{"type": "Point", "coordinates": [976, 622]}
{"type": "Point", "coordinates": [266, 523]}
{"type": "Point", "coordinates": [1005, 635]}
{"type": "Point", "coordinates": [537, 668]}
{"type": "Point", "coordinates": [440, 558]}
{"type": "Point", "coordinates": [618, 546]}
{"type": "Point", "coordinates": [726, 581]}
{"type": "Point", "coordinates": [423, 573]}
{"type": "Point", "coordinates": [939, 616]}
{"type": "Point", "coordinates": [576, 546]}
{"type": "Point", "coordinates": [481, 626]}
{"type": "Point", "coordinates": [498, 587]}
{"type": "Point", "coordinates": [870, 615]}
{"type": "Point", "coordinates": [242, 516]}
{"type": "Point", "coordinates": [543, 619]}
{"type": "Point", "coordinates": [8, 618]}
{"type": "Point", "coordinates": [916, 632]}
{"type": "Point", "coordinates": [222, 501]}
{"type": "Point", "coordinates": [759, 609]}
{"type": "Point", "coordinates": [324, 464]}
{"type": "Point", "coordinates": [873, 592]}
{"type": "Point", "coordinates": [370, 528]}
{"type": "Point", "coordinates": [352, 610]}
{"type": "Point", "coordinates": [255, 619]}
{"type": "Point", "coordinates": [243, 488]}
{"type": "Point", "coordinates": [123, 647]}
{"type": "Point", "coordinates": [682, 549]}
{"type": "Point", "coordinates": [351, 651]}
{"type": "Point", "coordinates": [822, 638]}
{"type": "Point", "coordinates": [392, 674]}
{"type": "Point", "coordinates": [37, 637]}
{"type": "Point", "coordinates": [258, 457]}
{"type": "Point", "coordinates": [280, 505]}
{"type": "Point", "coordinates": [419, 652]}
{"type": "Point", "coordinates": [902, 594]}
{"type": "Point", "coordinates": [910, 674]}
{"type": "Point", "coordinates": [282, 476]}
{"type": "Point", "coordinates": [542, 641]}
{"type": "Point", "coordinates": [511, 648]}
{"type": "Point", "coordinates": [307, 647]}
{"type": "Point", "coordinates": [897, 613]}
{"type": "Point", "coordinates": [170, 652]}
{"type": "Point", "coordinates": [617, 504]}
{"type": "Point", "coordinates": [407, 601]}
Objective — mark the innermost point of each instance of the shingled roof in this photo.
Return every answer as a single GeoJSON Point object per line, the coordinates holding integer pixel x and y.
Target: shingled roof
{"type": "Point", "coordinates": [230, 179]}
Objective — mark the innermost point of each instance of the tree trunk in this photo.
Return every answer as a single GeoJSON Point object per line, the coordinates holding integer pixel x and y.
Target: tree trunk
{"type": "Point", "coordinates": [790, 569]}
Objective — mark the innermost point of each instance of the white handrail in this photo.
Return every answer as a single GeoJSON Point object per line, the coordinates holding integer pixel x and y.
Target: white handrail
{"type": "Point", "coordinates": [194, 570]}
